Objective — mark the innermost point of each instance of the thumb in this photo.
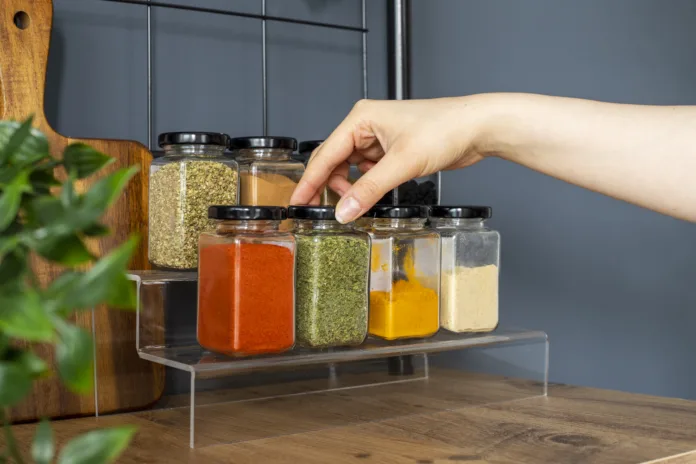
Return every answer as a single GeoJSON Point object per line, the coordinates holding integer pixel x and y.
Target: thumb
{"type": "Point", "coordinates": [388, 173]}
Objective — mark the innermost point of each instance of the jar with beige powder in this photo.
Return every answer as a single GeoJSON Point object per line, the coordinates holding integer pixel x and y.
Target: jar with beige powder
{"type": "Point", "coordinates": [470, 262]}
{"type": "Point", "coordinates": [268, 173]}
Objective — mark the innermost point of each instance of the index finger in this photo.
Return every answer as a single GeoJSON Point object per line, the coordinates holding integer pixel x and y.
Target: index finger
{"type": "Point", "coordinates": [325, 159]}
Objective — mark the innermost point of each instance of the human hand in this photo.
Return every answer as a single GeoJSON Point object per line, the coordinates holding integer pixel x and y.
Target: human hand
{"type": "Point", "coordinates": [391, 142]}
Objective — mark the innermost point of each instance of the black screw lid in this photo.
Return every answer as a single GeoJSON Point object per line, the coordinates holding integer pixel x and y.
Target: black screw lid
{"type": "Point", "coordinates": [308, 146]}
{"type": "Point", "coordinates": [398, 212]}
{"type": "Point", "coordinates": [461, 212]}
{"type": "Point", "coordinates": [248, 213]}
{"type": "Point", "coordinates": [241, 143]}
{"type": "Point", "coordinates": [193, 138]}
{"type": "Point", "coordinates": [312, 212]}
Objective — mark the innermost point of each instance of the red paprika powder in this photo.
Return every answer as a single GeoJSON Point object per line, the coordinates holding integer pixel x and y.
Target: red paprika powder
{"type": "Point", "coordinates": [246, 292]}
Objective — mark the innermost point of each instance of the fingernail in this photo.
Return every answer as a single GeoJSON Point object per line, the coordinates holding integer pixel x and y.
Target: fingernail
{"type": "Point", "coordinates": [348, 210]}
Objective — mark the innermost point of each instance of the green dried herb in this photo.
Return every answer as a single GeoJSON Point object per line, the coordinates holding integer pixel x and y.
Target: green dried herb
{"type": "Point", "coordinates": [180, 194]}
{"type": "Point", "coordinates": [331, 295]}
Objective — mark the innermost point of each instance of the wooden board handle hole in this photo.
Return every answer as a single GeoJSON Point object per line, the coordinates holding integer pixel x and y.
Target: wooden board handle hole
{"type": "Point", "coordinates": [21, 20]}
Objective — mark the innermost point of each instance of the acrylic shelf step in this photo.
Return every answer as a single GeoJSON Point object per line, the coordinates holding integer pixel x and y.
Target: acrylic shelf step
{"type": "Point", "coordinates": [166, 334]}
{"type": "Point", "coordinates": [193, 358]}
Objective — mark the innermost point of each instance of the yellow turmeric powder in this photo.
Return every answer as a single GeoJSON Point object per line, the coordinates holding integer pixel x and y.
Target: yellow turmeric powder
{"type": "Point", "coordinates": [408, 310]}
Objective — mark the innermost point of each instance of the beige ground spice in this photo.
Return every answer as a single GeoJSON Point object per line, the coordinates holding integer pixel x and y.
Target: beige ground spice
{"type": "Point", "coordinates": [469, 300]}
{"type": "Point", "coordinates": [180, 194]}
{"type": "Point", "coordinates": [266, 189]}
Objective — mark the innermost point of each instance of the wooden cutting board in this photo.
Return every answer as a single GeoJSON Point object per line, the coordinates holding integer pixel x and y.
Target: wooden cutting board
{"type": "Point", "coordinates": [124, 381]}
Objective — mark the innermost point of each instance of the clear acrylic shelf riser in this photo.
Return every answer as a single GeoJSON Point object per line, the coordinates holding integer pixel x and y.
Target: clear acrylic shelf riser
{"type": "Point", "coordinates": [306, 390]}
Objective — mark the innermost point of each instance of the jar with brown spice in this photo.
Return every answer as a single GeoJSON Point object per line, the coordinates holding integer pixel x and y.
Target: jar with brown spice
{"type": "Point", "coordinates": [193, 174]}
{"type": "Point", "coordinates": [268, 173]}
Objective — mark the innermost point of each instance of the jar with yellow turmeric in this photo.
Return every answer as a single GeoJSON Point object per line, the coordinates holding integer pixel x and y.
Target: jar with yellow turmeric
{"type": "Point", "coordinates": [405, 273]}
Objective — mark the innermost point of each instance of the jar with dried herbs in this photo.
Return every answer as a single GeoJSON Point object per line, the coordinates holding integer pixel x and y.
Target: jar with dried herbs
{"type": "Point", "coordinates": [193, 174]}
{"type": "Point", "coordinates": [332, 279]}
{"type": "Point", "coordinates": [405, 273]}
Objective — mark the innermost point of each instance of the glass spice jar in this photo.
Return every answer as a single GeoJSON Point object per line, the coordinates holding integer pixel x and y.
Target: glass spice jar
{"type": "Point", "coordinates": [192, 175]}
{"type": "Point", "coordinates": [405, 273]}
{"type": "Point", "coordinates": [470, 262]}
{"type": "Point", "coordinates": [246, 282]}
{"type": "Point", "coordinates": [328, 196]}
{"type": "Point", "coordinates": [268, 172]}
{"type": "Point", "coordinates": [332, 274]}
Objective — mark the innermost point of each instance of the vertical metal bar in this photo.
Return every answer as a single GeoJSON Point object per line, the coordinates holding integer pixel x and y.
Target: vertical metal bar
{"type": "Point", "coordinates": [398, 13]}
{"type": "Point", "coordinates": [264, 73]}
{"type": "Point", "coordinates": [364, 49]}
{"type": "Point", "coordinates": [149, 77]}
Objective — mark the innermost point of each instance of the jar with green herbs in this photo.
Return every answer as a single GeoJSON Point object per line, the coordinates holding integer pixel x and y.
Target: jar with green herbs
{"type": "Point", "coordinates": [332, 274]}
{"type": "Point", "coordinates": [193, 174]}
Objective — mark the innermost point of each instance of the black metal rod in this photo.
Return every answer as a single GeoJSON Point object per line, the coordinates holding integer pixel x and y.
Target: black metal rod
{"type": "Point", "coordinates": [398, 48]}
{"type": "Point", "coordinates": [239, 14]}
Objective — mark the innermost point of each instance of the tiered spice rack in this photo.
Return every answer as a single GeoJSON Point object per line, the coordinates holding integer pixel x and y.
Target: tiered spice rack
{"type": "Point", "coordinates": [211, 382]}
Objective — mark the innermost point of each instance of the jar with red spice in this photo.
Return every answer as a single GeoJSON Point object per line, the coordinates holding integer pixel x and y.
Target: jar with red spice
{"type": "Point", "coordinates": [246, 282]}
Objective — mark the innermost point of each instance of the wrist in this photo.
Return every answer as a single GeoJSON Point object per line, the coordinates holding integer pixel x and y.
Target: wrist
{"type": "Point", "coordinates": [499, 118]}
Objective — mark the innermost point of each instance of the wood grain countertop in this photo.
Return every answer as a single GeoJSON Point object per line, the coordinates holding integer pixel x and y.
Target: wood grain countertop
{"type": "Point", "coordinates": [570, 425]}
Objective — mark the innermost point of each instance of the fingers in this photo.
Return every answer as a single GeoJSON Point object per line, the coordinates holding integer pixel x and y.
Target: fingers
{"type": "Point", "coordinates": [390, 172]}
{"type": "Point", "coordinates": [365, 166]}
{"type": "Point", "coordinates": [354, 133]}
{"type": "Point", "coordinates": [336, 149]}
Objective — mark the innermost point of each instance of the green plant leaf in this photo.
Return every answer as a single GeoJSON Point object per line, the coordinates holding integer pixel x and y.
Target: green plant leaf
{"type": "Point", "coordinates": [68, 196]}
{"type": "Point", "coordinates": [11, 198]}
{"type": "Point", "coordinates": [13, 268]}
{"type": "Point", "coordinates": [43, 179]}
{"type": "Point", "coordinates": [7, 175]}
{"type": "Point", "coordinates": [121, 295]}
{"type": "Point", "coordinates": [97, 447]}
{"type": "Point", "coordinates": [43, 448]}
{"type": "Point", "coordinates": [68, 250]}
{"type": "Point", "coordinates": [22, 145]}
{"type": "Point", "coordinates": [74, 357]}
{"type": "Point", "coordinates": [91, 206]}
{"type": "Point", "coordinates": [46, 210]}
{"type": "Point", "coordinates": [107, 190]}
{"type": "Point", "coordinates": [34, 365]}
{"type": "Point", "coordinates": [84, 160]}
{"type": "Point", "coordinates": [8, 244]}
{"type": "Point", "coordinates": [12, 136]}
{"type": "Point", "coordinates": [22, 315]}
{"type": "Point", "coordinates": [103, 281]}
{"type": "Point", "coordinates": [96, 230]}
{"type": "Point", "coordinates": [61, 287]}
{"type": "Point", "coordinates": [15, 383]}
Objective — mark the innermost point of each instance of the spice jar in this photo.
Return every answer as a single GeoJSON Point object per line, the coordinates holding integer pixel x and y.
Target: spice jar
{"type": "Point", "coordinates": [246, 282]}
{"type": "Point", "coordinates": [332, 279]}
{"type": "Point", "coordinates": [470, 261]}
{"type": "Point", "coordinates": [405, 273]}
{"type": "Point", "coordinates": [268, 172]}
{"type": "Point", "coordinates": [192, 175]}
{"type": "Point", "coordinates": [328, 196]}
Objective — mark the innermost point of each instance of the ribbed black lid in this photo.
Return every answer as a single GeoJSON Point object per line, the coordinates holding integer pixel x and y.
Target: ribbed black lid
{"type": "Point", "coordinates": [193, 138]}
{"type": "Point", "coordinates": [241, 143]}
{"type": "Point", "coordinates": [398, 212]}
{"type": "Point", "coordinates": [461, 212]}
{"type": "Point", "coordinates": [248, 213]}
{"type": "Point", "coordinates": [308, 146]}
{"type": "Point", "coordinates": [312, 212]}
